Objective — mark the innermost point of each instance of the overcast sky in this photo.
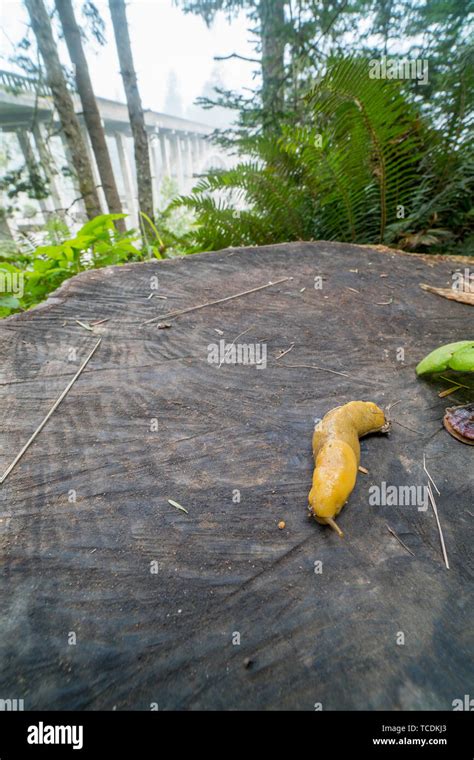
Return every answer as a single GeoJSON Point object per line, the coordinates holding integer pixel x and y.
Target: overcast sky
{"type": "Point", "coordinates": [164, 40]}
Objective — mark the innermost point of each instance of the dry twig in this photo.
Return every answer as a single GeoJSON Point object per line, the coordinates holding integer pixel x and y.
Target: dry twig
{"type": "Point", "coordinates": [441, 537]}
{"type": "Point", "coordinates": [228, 349]}
{"type": "Point", "coordinates": [174, 314]}
{"type": "Point", "coordinates": [313, 366]}
{"type": "Point", "coordinates": [83, 324]}
{"type": "Point", "coordinates": [429, 476]}
{"type": "Point", "coordinates": [283, 353]}
{"type": "Point", "coordinates": [178, 506]}
{"type": "Point", "coordinates": [53, 409]}
{"type": "Point", "coordinates": [390, 530]}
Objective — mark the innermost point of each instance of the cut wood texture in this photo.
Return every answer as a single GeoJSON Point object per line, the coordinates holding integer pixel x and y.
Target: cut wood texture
{"type": "Point", "coordinates": [112, 597]}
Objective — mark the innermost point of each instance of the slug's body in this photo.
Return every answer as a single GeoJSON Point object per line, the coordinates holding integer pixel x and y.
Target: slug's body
{"type": "Point", "coordinates": [336, 451]}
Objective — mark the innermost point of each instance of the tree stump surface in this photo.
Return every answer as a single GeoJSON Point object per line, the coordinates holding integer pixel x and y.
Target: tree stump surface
{"type": "Point", "coordinates": [218, 608]}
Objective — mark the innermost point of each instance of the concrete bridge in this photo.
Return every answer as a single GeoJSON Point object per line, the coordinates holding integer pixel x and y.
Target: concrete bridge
{"type": "Point", "coordinates": [179, 149]}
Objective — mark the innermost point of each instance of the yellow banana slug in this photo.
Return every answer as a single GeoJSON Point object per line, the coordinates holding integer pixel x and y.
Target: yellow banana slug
{"type": "Point", "coordinates": [336, 452]}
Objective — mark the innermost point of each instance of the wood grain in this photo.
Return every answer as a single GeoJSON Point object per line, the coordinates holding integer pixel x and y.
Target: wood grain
{"type": "Point", "coordinates": [84, 566]}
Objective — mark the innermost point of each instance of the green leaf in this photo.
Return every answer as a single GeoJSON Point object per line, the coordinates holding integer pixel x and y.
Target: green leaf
{"type": "Point", "coordinates": [463, 360]}
{"type": "Point", "coordinates": [103, 222]}
{"type": "Point", "coordinates": [4, 267]}
{"type": "Point", "coordinates": [440, 359]}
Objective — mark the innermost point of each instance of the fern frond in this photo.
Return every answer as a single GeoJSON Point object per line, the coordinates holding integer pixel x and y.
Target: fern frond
{"type": "Point", "coordinates": [364, 167]}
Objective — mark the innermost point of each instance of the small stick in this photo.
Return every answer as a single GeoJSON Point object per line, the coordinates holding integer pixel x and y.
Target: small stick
{"type": "Point", "coordinates": [364, 470]}
{"type": "Point", "coordinates": [448, 391]}
{"type": "Point", "coordinates": [390, 530]}
{"type": "Point", "coordinates": [441, 537]}
{"type": "Point", "coordinates": [313, 366]}
{"type": "Point", "coordinates": [335, 526]}
{"type": "Point", "coordinates": [53, 409]}
{"type": "Point", "coordinates": [332, 371]}
{"type": "Point", "coordinates": [213, 303]}
{"type": "Point", "coordinates": [429, 476]}
{"type": "Point", "coordinates": [406, 427]}
{"type": "Point", "coordinates": [451, 380]}
{"type": "Point", "coordinates": [83, 324]}
{"type": "Point", "coordinates": [177, 506]}
{"type": "Point", "coordinates": [285, 352]}
{"type": "Point", "coordinates": [99, 322]}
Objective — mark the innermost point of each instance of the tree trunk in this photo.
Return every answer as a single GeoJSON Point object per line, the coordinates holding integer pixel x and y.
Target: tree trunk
{"type": "Point", "coordinates": [272, 20]}
{"type": "Point", "coordinates": [49, 168]}
{"type": "Point", "coordinates": [72, 35]}
{"type": "Point", "coordinates": [135, 110]}
{"type": "Point", "coordinates": [64, 104]}
{"type": "Point", "coordinates": [35, 176]}
{"type": "Point", "coordinates": [5, 231]}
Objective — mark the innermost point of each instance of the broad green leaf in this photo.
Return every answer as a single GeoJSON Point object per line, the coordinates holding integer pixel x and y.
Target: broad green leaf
{"type": "Point", "coordinates": [463, 360]}
{"type": "Point", "coordinates": [105, 221]}
{"type": "Point", "coordinates": [4, 267]}
{"type": "Point", "coordinates": [439, 360]}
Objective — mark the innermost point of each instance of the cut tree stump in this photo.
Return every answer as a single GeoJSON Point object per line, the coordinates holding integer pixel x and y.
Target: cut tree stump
{"type": "Point", "coordinates": [114, 598]}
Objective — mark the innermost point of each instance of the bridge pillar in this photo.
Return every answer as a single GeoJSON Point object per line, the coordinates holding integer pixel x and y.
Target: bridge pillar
{"type": "Point", "coordinates": [196, 157]}
{"type": "Point", "coordinates": [155, 168]}
{"type": "Point", "coordinates": [173, 157]}
{"type": "Point", "coordinates": [132, 209]}
{"type": "Point", "coordinates": [180, 165]}
{"type": "Point", "coordinates": [189, 157]}
{"type": "Point", "coordinates": [165, 156]}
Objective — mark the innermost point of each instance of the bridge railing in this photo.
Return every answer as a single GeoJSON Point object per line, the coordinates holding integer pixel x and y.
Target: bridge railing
{"type": "Point", "coordinates": [17, 84]}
